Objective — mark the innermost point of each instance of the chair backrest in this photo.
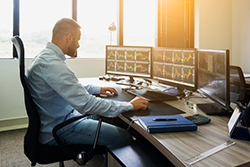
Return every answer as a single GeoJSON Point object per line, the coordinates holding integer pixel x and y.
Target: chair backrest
{"type": "Point", "coordinates": [32, 134]}
{"type": "Point", "coordinates": [31, 144]}
{"type": "Point", "coordinates": [237, 84]}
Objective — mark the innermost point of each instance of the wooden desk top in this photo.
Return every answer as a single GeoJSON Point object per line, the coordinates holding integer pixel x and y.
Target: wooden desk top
{"type": "Point", "coordinates": [179, 146]}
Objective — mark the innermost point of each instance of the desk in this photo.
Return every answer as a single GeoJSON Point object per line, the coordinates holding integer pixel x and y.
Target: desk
{"type": "Point", "coordinates": [179, 146]}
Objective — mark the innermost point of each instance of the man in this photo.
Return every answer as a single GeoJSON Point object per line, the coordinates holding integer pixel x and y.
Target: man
{"type": "Point", "coordinates": [59, 95]}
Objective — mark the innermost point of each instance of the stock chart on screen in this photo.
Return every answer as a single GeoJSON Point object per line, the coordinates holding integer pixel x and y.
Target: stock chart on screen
{"type": "Point", "coordinates": [212, 72]}
{"type": "Point", "coordinates": [174, 66]}
{"type": "Point", "coordinates": [128, 60]}
{"type": "Point", "coordinates": [214, 79]}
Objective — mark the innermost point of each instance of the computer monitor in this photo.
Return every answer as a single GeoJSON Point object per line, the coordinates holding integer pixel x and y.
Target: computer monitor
{"type": "Point", "coordinates": [175, 67]}
{"type": "Point", "coordinates": [214, 80]}
{"type": "Point", "coordinates": [132, 61]}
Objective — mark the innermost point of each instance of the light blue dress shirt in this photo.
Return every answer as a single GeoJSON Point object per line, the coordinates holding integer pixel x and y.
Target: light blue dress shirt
{"type": "Point", "coordinates": [59, 95]}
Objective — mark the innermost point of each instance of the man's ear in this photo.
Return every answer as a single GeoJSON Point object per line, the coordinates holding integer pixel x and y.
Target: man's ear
{"type": "Point", "coordinates": [69, 39]}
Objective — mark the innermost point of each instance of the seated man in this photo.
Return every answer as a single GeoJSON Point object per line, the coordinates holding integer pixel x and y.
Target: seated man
{"type": "Point", "coordinates": [59, 95]}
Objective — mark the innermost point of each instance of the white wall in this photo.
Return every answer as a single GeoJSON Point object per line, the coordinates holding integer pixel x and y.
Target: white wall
{"type": "Point", "coordinates": [11, 99]}
{"type": "Point", "coordinates": [214, 24]}
{"type": "Point", "coordinates": [241, 33]}
{"type": "Point", "coordinates": [224, 24]}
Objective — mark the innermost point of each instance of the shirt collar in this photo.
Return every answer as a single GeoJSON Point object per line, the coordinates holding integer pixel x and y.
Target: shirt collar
{"type": "Point", "coordinates": [54, 47]}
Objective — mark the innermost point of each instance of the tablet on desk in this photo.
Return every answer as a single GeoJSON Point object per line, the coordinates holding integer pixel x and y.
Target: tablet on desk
{"type": "Point", "coordinates": [234, 120]}
{"type": "Point", "coordinates": [235, 131]}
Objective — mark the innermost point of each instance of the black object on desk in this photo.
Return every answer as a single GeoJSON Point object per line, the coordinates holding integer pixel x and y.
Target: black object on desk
{"type": "Point", "coordinates": [151, 95]}
{"type": "Point", "coordinates": [154, 108]}
{"type": "Point", "coordinates": [199, 119]}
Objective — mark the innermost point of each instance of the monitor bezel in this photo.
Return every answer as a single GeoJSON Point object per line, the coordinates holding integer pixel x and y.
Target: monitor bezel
{"type": "Point", "coordinates": [225, 104]}
{"type": "Point", "coordinates": [126, 74]}
{"type": "Point", "coordinates": [178, 85]}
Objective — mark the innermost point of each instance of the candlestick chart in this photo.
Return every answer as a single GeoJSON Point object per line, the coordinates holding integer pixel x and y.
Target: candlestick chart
{"type": "Point", "coordinates": [158, 56]}
{"type": "Point", "coordinates": [188, 58]}
{"type": "Point", "coordinates": [177, 74]}
{"type": "Point", "coordinates": [110, 66]}
{"type": "Point", "coordinates": [119, 66]}
{"type": "Point", "coordinates": [130, 55]}
{"type": "Point", "coordinates": [111, 54]}
{"type": "Point", "coordinates": [177, 58]}
{"type": "Point", "coordinates": [142, 68]}
{"type": "Point", "coordinates": [175, 67]}
{"type": "Point", "coordinates": [129, 67]}
{"type": "Point", "coordinates": [120, 55]}
{"type": "Point", "coordinates": [168, 57]}
{"type": "Point", "coordinates": [168, 71]}
{"type": "Point", "coordinates": [142, 56]}
{"type": "Point", "coordinates": [221, 64]}
{"type": "Point", "coordinates": [206, 61]}
{"type": "Point", "coordinates": [132, 61]}
{"type": "Point", "coordinates": [158, 70]}
{"type": "Point", "coordinates": [188, 75]}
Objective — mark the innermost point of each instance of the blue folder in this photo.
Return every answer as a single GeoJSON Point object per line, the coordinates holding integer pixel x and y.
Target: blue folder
{"type": "Point", "coordinates": [166, 123]}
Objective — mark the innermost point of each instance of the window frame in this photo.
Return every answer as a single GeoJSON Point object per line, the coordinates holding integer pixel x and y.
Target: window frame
{"type": "Point", "coordinates": [160, 25]}
{"type": "Point", "coordinates": [16, 21]}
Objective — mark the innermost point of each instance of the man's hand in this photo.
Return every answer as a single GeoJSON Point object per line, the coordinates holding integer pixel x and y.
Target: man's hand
{"type": "Point", "coordinates": [139, 103]}
{"type": "Point", "coordinates": [108, 91]}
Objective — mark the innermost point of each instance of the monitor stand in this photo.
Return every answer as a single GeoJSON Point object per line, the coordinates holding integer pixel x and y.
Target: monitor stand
{"type": "Point", "coordinates": [213, 109]}
{"type": "Point", "coordinates": [129, 82]}
{"type": "Point", "coordinates": [174, 91]}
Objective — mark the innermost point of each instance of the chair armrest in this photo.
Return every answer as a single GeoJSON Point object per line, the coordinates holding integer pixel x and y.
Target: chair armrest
{"type": "Point", "coordinates": [66, 150]}
{"type": "Point", "coordinates": [73, 155]}
{"type": "Point", "coordinates": [65, 123]}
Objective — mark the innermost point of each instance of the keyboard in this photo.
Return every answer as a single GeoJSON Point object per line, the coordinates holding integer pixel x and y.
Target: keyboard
{"type": "Point", "coordinates": [152, 95]}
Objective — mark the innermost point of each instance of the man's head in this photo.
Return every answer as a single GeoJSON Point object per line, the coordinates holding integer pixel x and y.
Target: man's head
{"type": "Point", "coordinates": [66, 34]}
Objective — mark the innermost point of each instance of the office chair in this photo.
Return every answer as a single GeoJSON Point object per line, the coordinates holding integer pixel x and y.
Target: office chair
{"type": "Point", "coordinates": [45, 154]}
{"type": "Point", "coordinates": [238, 88]}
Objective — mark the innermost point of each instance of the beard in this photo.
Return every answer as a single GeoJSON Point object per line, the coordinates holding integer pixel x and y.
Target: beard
{"type": "Point", "coordinates": [72, 50]}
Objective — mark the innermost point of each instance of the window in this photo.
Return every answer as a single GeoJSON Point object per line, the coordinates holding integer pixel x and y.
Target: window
{"type": "Point", "coordinates": [37, 18]}
{"type": "Point", "coordinates": [139, 22]}
{"type": "Point", "coordinates": [95, 16]}
{"type": "Point", "coordinates": [6, 17]}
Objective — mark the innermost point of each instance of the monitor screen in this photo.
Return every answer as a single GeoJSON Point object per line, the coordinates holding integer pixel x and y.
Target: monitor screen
{"type": "Point", "coordinates": [213, 79]}
{"type": "Point", "coordinates": [132, 61]}
{"type": "Point", "coordinates": [175, 67]}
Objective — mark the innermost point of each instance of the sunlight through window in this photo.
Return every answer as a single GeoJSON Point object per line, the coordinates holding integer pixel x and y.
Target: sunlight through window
{"type": "Point", "coordinates": [139, 22]}
{"type": "Point", "coordinates": [95, 16]}
{"type": "Point", "coordinates": [6, 17]}
{"type": "Point", "coordinates": [37, 18]}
